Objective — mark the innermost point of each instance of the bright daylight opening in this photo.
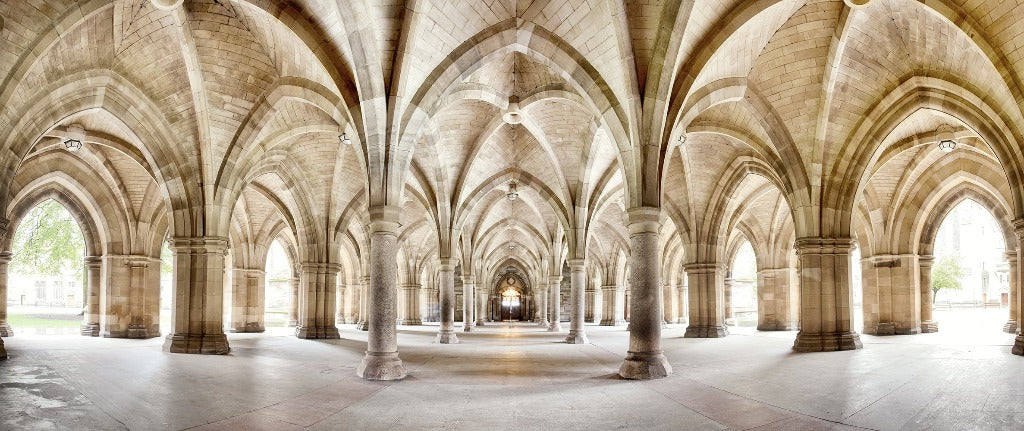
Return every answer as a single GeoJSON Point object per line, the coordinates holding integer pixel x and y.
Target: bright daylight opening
{"type": "Point", "coordinates": [743, 288]}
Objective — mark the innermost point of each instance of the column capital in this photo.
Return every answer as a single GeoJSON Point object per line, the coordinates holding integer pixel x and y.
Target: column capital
{"type": "Point", "coordinates": [644, 220]}
{"type": "Point", "coordinates": [320, 267]}
{"type": "Point", "coordinates": [5, 257]}
{"type": "Point", "coordinates": [703, 268]}
{"type": "Point", "coordinates": [447, 263]}
{"type": "Point", "coordinates": [409, 286]}
{"type": "Point", "coordinates": [820, 245]}
{"type": "Point", "coordinates": [926, 260]}
{"type": "Point", "coordinates": [577, 264]}
{"type": "Point", "coordinates": [90, 261]}
{"type": "Point", "coordinates": [1018, 228]}
{"type": "Point", "coordinates": [199, 244]}
{"type": "Point", "coordinates": [554, 279]}
{"type": "Point", "coordinates": [1010, 255]}
{"type": "Point", "coordinates": [385, 219]}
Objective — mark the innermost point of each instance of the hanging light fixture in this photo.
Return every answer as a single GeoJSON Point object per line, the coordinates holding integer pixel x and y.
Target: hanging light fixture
{"type": "Point", "coordinates": [344, 139]}
{"type": "Point", "coordinates": [75, 137]}
{"type": "Point", "coordinates": [947, 143]}
{"type": "Point", "coordinates": [513, 191]}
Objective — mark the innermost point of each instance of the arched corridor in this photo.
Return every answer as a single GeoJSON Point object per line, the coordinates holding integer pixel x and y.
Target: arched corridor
{"type": "Point", "coordinates": [641, 188]}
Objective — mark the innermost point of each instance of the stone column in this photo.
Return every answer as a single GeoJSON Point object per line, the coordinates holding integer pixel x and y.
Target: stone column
{"type": "Point", "coordinates": [1018, 343]}
{"type": "Point", "coordinates": [826, 322]}
{"type": "Point", "coordinates": [142, 311]}
{"type": "Point", "coordinates": [925, 263]}
{"type": "Point", "coordinates": [668, 303]}
{"type": "Point", "coordinates": [482, 312]}
{"type": "Point", "coordinates": [293, 311]}
{"type": "Point", "coordinates": [1012, 324]}
{"type": "Point", "coordinates": [318, 282]}
{"type": "Point", "coordinates": [727, 299]}
{"type": "Point", "coordinates": [468, 300]}
{"type": "Point", "coordinates": [125, 309]}
{"type": "Point", "coordinates": [91, 313]}
{"type": "Point", "coordinates": [542, 306]}
{"type": "Point", "coordinates": [589, 309]}
{"type": "Point", "coordinates": [339, 303]}
{"type": "Point", "coordinates": [555, 303]}
{"type": "Point", "coordinates": [247, 298]}
{"type": "Point", "coordinates": [198, 304]}
{"type": "Point", "coordinates": [577, 300]}
{"type": "Point", "coordinates": [363, 294]}
{"type": "Point", "coordinates": [411, 316]}
{"type": "Point", "coordinates": [681, 299]}
{"type": "Point", "coordinates": [381, 361]}
{"type": "Point", "coordinates": [5, 261]}
{"type": "Point", "coordinates": [645, 360]}
{"type": "Point", "coordinates": [707, 303]}
{"type": "Point", "coordinates": [612, 299]}
{"type": "Point", "coordinates": [446, 333]}
{"type": "Point", "coordinates": [774, 298]}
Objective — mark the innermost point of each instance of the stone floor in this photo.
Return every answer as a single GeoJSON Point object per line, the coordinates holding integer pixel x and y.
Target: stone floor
{"type": "Point", "coordinates": [516, 378]}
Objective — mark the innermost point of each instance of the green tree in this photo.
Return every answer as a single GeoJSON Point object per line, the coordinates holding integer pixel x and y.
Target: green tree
{"type": "Point", "coordinates": [946, 274]}
{"type": "Point", "coordinates": [48, 242]}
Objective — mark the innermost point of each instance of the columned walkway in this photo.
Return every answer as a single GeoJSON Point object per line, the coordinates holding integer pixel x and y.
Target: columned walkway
{"type": "Point", "coordinates": [510, 377]}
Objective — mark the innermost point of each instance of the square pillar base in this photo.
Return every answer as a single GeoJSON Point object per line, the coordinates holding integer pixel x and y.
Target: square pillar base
{"type": "Point", "coordinates": [929, 326]}
{"type": "Point", "coordinates": [203, 344]}
{"type": "Point", "coordinates": [706, 331]}
{"type": "Point", "coordinates": [827, 342]}
{"type": "Point", "coordinates": [317, 332]}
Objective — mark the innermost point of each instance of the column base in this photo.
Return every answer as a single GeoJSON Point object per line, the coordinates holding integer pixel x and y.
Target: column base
{"type": "Point", "coordinates": [362, 326]}
{"type": "Point", "coordinates": [467, 328]}
{"type": "Point", "coordinates": [543, 323]}
{"type": "Point", "coordinates": [706, 331]}
{"type": "Point", "coordinates": [292, 323]}
{"type": "Point", "coordinates": [479, 323]}
{"type": "Point", "coordinates": [90, 329]}
{"type": "Point", "coordinates": [203, 344]}
{"type": "Point", "coordinates": [447, 336]}
{"type": "Point", "coordinates": [577, 337]}
{"type": "Point", "coordinates": [1010, 326]}
{"type": "Point", "coordinates": [929, 326]}
{"type": "Point", "coordinates": [774, 327]}
{"type": "Point", "coordinates": [317, 332]}
{"type": "Point", "coordinates": [411, 322]}
{"type": "Point", "coordinates": [880, 329]}
{"type": "Point", "coordinates": [611, 322]}
{"type": "Point", "coordinates": [249, 327]}
{"type": "Point", "coordinates": [555, 327]}
{"type": "Point", "coordinates": [645, 366]}
{"type": "Point", "coordinates": [3, 352]}
{"type": "Point", "coordinates": [6, 330]}
{"type": "Point", "coordinates": [381, 366]}
{"type": "Point", "coordinates": [138, 331]}
{"type": "Point", "coordinates": [1018, 345]}
{"type": "Point", "coordinates": [682, 320]}
{"type": "Point", "coordinates": [827, 342]}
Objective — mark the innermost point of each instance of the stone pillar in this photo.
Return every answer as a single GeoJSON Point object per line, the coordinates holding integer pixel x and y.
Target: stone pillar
{"type": "Point", "coordinates": [145, 309]}
{"type": "Point", "coordinates": [468, 300]}
{"type": "Point", "coordinates": [198, 304]}
{"type": "Point", "coordinates": [1012, 324]}
{"type": "Point", "coordinates": [727, 300]}
{"type": "Point", "coordinates": [707, 303]}
{"type": "Point", "coordinates": [293, 311]}
{"type": "Point", "coordinates": [125, 310]}
{"type": "Point", "coordinates": [411, 314]}
{"type": "Point", "coordinates": [612, 297]}
{"type": "Point", "coordinates": [892, 296]}
{"type": "Point", "coordinates": [683, 291]}
{"type": "Point", "coordinates": [826, 322]}
{"type": "Point", "coordinates": [319, 283]}
{"type": "Point", "coordinates": [555, 303]}
{"type": "Point", "coordinates": [577, 300]}
{"type": "Point", "coordinates": [645, 359]}
{"type": "Point", "coordinates": [91, 313]}
{"type": "Point", "coordinates": [430, 296]}
{"type": "Point", "coordinates": [775, 294]}
{"type": "Point", "coordinates": [669, 303]}
{"type": "Point", "coordinates": [339, 303]}
{"type": "Point", "coordinates": [381, 361]}
{"type": "Point", "coordinates": [542, 306]}
{"type": "Point", "coordinates": [1018, 343]}
{"type": "Point", "coordinates": [5, 261]}
{"type": "Point", "coordinates": [248, 295]}
{"type": "Point", "coordinates": [925, 263]}
{"type": "Point", "coordinates": [363, 294]}
{"type": "Point", "coordinates": [589, 312]}
{"type": "Point", "coordinates": [446, 333]}
{"type": "Point", "coordinates": [482, 312]}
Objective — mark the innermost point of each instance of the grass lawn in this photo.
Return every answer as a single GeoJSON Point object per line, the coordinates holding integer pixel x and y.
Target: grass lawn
{"type": "Point", "coordinates": [35, 321]}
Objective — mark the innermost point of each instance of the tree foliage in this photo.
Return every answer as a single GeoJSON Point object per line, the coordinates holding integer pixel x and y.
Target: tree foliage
{"type": "Point", "coordinates": [946, 274]}
{"type": "Point", "coordinates": [49, 243]}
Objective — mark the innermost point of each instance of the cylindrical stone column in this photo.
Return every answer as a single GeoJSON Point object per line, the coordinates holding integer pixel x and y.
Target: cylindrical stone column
{"type": "Point", "coordinates": [293, 310]}
{"type": "Point", "coordinates": [645, 359]}
{"type": "Point", "coordinates": [198, 312]}
{"type": "Point", "coordinates": [542, 307]}
{"type": "Point", "coordinates": [683, 307]}
{"type": "Point", "coordinates": [481, 306]}
{"type": "Point", "coordinates": [555, 303]}
{"type": "Point", "coordinates": [411, 314]}
{"type": "Point", "coordinates": [1012, 324]}
{"type": "Point", "coordinates": [5, 261]}
{"type": "Point", "coordinates": [381, 361]}
{"type": "Point", "coordinates": [928, 323]}
{"type": "Point", "coordinates": [577, 300]}
{"type": "Point", "coordinates": [364, 286]}
{"type": "Point", "coordinates": [727, 298]}
{"type": "Point", "coordinates": [91, 313]}
{"type": "Point", "coordinates": [446, 333]}
{"type": "Point", "coordinates": [468, 300]}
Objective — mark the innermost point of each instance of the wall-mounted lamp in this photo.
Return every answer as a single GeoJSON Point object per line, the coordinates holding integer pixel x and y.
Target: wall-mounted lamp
{"type": "Point", "coordinates": [344, 139]}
